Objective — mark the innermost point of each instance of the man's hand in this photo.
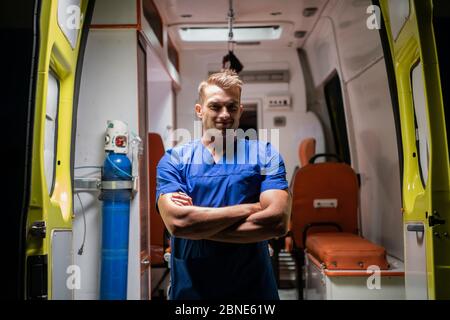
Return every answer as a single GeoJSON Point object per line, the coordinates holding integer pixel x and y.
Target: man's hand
{"type": "Point", "coordinates": [181, 199]}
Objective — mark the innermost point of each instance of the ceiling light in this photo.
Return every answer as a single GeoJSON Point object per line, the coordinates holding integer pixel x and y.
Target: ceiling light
{"type": "Point", "coordinates": [214, 34]}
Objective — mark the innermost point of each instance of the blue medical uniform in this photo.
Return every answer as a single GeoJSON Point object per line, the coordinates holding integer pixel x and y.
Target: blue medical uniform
{"type": "Point", "coordinates": [205, 269]}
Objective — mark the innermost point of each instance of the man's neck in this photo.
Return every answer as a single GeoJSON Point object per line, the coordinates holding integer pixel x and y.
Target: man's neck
{"type": "Point", "coordinates": [217, 148]}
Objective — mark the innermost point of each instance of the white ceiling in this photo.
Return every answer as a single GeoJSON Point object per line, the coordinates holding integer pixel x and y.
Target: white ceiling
{"type": "Point", "coordinates": [214, 12]}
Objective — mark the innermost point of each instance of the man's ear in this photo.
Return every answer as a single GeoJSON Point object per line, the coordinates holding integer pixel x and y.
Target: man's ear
{"type": "Point", "coordinates": [198, 111]}
{"type": "Point", "coordinates": [241, 110]}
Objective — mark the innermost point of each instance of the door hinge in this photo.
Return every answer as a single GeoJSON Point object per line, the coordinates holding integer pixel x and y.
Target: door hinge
{"type": "Point", "coordinates": [435, 221]}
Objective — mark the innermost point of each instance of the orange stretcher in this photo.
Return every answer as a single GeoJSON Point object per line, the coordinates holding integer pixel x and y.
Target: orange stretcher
{"type": "Point", "coordinates": [337, 251]}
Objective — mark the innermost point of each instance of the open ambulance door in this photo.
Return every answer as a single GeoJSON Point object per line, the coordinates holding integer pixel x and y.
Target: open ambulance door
{"type": "Point", "coordinates": [61, 27]}
{"type": "Point", "coordinates": [414, 34]}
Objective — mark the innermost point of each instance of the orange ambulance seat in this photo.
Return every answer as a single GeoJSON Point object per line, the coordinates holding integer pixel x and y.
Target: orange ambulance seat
{"type": "Point", "coordinates": [321, 182]}
{"type": "Point", "coordinates": [325, 200]}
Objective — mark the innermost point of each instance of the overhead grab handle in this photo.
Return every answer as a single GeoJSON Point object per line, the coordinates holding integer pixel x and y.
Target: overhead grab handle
{"type": "Point", "coordinates": [418, 227]}
{"type": "Point", "coordinates": [230, 61]}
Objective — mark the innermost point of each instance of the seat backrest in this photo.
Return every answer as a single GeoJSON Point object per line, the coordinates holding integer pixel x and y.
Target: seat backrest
{"type": "Point", "coordinates": [155, 153]}
{"type": "Point", "coordinates": [306, 150]}
{"type": "Point", "coordinates": [320, 181]}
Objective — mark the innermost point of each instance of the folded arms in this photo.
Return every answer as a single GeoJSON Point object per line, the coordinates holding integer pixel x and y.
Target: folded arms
{"type": "Point", "coordinates": [244, 223]}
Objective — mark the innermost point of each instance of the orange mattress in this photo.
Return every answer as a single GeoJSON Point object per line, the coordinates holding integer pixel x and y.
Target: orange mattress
{"type": "Point", "coordinates": [345, 251]}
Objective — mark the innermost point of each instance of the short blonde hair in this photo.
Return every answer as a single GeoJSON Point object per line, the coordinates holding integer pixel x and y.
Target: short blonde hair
{"type": "Point", "coordinates": [225, 79]}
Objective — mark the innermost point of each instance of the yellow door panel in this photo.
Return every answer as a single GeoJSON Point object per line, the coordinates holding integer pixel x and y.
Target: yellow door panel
{"type": "Point", "coordinates": [51, 190]}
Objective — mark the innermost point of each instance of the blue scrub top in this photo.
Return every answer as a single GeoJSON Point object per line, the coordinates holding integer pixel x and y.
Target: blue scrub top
{"type": "Point", "coordinates": [205, 269]}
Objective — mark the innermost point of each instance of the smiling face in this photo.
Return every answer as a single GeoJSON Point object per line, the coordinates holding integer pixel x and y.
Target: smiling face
{"type": "Point", "coordinates": [220, 108]}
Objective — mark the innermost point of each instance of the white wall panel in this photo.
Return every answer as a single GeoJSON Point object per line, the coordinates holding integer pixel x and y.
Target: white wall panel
{"type": "Point", "coordinates": [108, 91]}
{"type": "Point", "coordinates": [160, 100]}
{"type": "Point", "coordinates": [323, 58]}
{"type": "Point", "coordinates": [357, 45]}
{"type": "Point", "coordinates": [322, 54]}
{"type": "Point", "coordinates": [378, 162]}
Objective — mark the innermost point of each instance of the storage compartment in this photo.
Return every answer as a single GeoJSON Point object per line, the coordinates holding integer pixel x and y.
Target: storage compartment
{"type": "Point", "coordinates": [371, 284]}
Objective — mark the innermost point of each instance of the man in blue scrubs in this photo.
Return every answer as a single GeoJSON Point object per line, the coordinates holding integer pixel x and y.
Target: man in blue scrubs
{"type": "Point", "coordinates": [222, 198]}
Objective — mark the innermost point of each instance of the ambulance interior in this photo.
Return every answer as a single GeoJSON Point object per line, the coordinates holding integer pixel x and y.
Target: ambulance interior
{"type": "Point", "coordinates": [315, 77]}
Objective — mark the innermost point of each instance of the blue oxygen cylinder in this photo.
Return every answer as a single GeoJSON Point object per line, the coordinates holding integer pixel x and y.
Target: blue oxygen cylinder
{"type": "Point", "coordinates": [115, 226]}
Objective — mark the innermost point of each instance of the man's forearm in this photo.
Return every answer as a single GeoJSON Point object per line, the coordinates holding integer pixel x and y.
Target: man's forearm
{"type": "Point", "coordinates": [252, 230]}
{"type": "Point", "coordinates": [266, 224]}
{"type": "Point", "coordinates": [193, 222]}
{"type": "Point", "coordinates": [246, 232]}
